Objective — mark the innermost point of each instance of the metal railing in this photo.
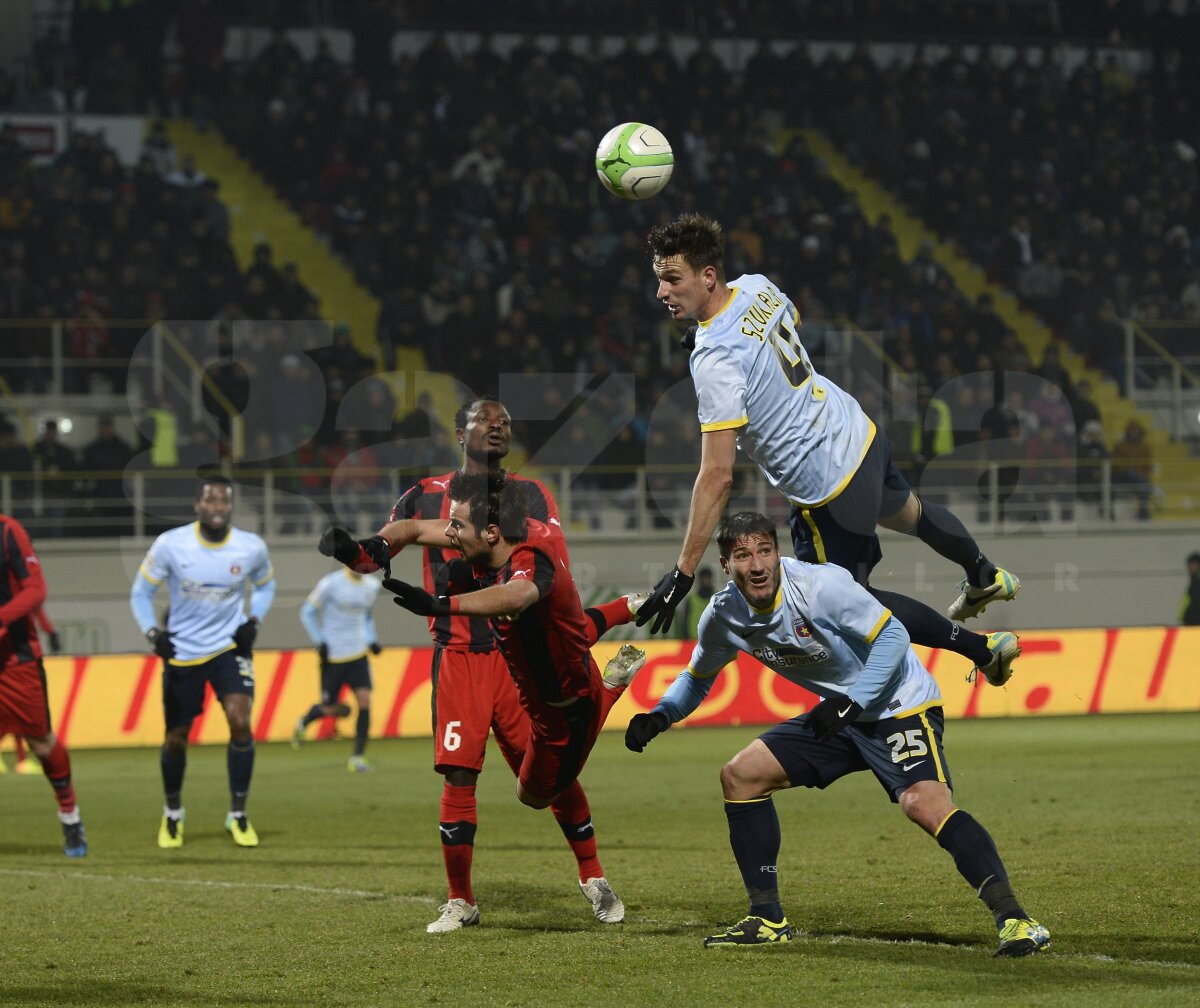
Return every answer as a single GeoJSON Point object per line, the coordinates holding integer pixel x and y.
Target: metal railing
{"type": "Point", "coordinates": [1162, 373]}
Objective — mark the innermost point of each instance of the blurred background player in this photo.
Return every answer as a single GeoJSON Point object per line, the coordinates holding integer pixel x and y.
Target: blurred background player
{"type": "Point", "coordinates": [337, 617]}
{"type": "Point", "coordinates": [27, 764]}
{"type": "Point", "coordinates": [813, 443]}
{"type": "Point", "coordinates": [473, 692]}
{"type": "Point", "coordinates": [880, 710]}
{"type": "Point", "coordinates": [24, 707]}
{"type": "Point", "coordinates": [209, 637]}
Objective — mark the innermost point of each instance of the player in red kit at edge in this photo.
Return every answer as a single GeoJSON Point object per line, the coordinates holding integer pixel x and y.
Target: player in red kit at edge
{"type": "Point", "coordinates": [24, 708]}
{"type": "Point", "coordinates": [473, 691]}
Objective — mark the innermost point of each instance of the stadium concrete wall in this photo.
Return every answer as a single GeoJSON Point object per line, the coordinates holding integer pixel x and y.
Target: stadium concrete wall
{"type": "Point", "coordinates": [1118, 578]}
{"type": "Point", "coordinates": [116, 700]}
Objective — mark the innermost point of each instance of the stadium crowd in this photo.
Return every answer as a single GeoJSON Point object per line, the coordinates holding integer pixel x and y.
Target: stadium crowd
{"type": "Point", "coordinates": [1074, 187]}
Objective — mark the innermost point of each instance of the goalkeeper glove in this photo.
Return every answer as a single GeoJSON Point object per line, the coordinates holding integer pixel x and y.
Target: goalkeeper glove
{"type": "Point", "coordinates": [338, 543]}
{"type": "Point", "coordinates": [831, 715]}
{"type": "Point", "coordinates": [244, 637]}
{"type": "Point", "coordinates": [643, 727]}
{"type": "Point", "coordinates": [55, 643]}
{"type": "Point", "coordinates": [417, 600]}
{"type": "Point", "coordinates": [161, 643]}
{"type": "Point", "coordinates": [667, 594]}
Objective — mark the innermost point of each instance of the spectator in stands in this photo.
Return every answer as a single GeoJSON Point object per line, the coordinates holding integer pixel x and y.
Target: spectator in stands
{"type": "Point", "coordinates": [55, 466]}
{"type": "Point", "coordinates": [1133, 467]}
{"type": "Point", "coordinates": [1049, 475]}
{"type": "Point", "coordinates": [1083, 407]}
{"type": "Point", "coordinates": [102, 466]}
{"type": "Point", "coordinates": [16, 463]}
{"type": "Point", "coordinates": [1189, 609]}
{"type": "Point", "coordinates": [932, 431]}
{"type": "Point", "coordinates": [1091, 455]}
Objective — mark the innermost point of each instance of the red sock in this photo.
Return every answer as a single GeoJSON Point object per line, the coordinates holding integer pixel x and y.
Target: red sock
{"type": "Point", "coordinates": [19, 748]}
{"type": "Point", "coordinates": [57, 768]}
{"type": "Point", "coordinates": [602, 618]}
{"type": "Point", "coordinates": [457, 830]}
{"type": "Point", "coordinates": [574, 817]}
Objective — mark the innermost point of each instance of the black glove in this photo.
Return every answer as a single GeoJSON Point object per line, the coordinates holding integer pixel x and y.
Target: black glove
{"type": "Point", "coordinates": [643, 727]}
{"type": "Point", "coordinates": [339, 544]}
{"type": "Point", "coordinates": [831, 715]}
{"type": "Point", "coordinates": [55, 643]}
{"type": "Point", "coordinates": [323, 653]}
{"type": "Point", "coordinates": [667, 594]}
{"type": "Point", "coordinates": [375, 647]}
{"type": "Point", "coordinates": [244, 637]}
{"type": "Point", "coordinates": [417, 600]}
{"type": "Point", "coordinates": [161, 643]}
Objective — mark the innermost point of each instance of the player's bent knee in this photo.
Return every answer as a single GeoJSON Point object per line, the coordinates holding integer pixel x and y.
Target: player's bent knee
{"type": "Point", "coordinates": [532, 801]}
{"type": "Point", "coordinates": [927, 804]}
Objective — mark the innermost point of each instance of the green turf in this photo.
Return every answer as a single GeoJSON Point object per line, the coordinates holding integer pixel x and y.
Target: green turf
{"type": "Point", "coordinates": [1097, 818]}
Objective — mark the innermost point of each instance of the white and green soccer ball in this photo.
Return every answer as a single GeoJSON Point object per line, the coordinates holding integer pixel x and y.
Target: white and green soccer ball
{"type": "Point", "coordinates": [634, 161]}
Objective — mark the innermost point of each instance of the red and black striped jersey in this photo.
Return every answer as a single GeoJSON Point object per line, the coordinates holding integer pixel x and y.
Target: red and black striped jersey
{"type": "Point", "coordinates": [428, 499]}
{"type": "Point", "coordinates": [546, 647]}
{"type": "Point", "coordinates": [22, 591]}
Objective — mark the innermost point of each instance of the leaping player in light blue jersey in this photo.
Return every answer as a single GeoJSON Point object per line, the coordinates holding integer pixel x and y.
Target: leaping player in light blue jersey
{"type": "Point", "coordinates": [207, 566]}
{"type": "Point", "coordinates": [880, 710]}
{"type": "Point", "coordinates": [337, 617]}
{"type": "Point", "coordinates": [758, 390]}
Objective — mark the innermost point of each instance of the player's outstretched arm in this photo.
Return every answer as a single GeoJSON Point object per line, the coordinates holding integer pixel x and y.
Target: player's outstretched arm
{"type": "Point", "coordinates": [507, 599]}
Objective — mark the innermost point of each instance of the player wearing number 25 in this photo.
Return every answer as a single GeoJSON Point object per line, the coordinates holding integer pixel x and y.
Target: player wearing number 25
{"type": "Point", "coordinates": [880, 711]}
{"type": "Point", "coordinates": [758, 390]}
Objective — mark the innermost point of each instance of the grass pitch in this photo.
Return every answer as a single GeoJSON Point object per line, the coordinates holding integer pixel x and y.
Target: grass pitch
{"type": "Point", "coordinates": [1097, 818]}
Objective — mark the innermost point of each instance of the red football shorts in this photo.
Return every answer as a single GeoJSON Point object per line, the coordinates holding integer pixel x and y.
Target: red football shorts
{"type": "Point", "coordinates": [24, 707]}
{"type": "Point", "coordinates": [562, 738]}
{"type": "Point", "coordinates": [472, 695]}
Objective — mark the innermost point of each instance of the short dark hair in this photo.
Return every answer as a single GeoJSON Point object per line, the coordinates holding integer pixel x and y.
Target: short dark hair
{"type": "Point", "coordinates": [463, 413]}
{"type": "Point", "coordinates": [741, 525]}
{"type": "Point", "coordinates": [699, 240]}
{"type": "Point", "coordinates": [492, 499]}
{"type": "Point", "coordinates": [1193, 558]}
{"type": "Point", "coordinates": [204, 481]}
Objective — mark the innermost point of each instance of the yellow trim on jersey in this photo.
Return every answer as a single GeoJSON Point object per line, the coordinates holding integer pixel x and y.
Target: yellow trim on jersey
{"type": "Point", "coordinates": [733, 292]}
{"type": "Point", "coordinates": [747, 801]}
{"type": "Point", "coordinates": [346, 661]}
{"type": "Point", "coordinates": [933, 749]}
{"type": "Point", "coordinates": [849, 476]}
{"type": "Point", "coordinates": [887, 615]}
{"type": "Point", "coordinates": [208, 543]}
{"type": "Point", "coordinates": [352, 575]}
{"type": "Point", "coordinates": [270, 576]}
{"type": "Point", "coordinates": [817, 541]}
{"type": "Point", "coordinates": [775, 602]}
{"type": "Point", "coordinates": [200, 661]}
{"type": "Point", "coordinates": [696, 675]}
{"type": "Point", "coordinates": [943, 823]}
{"type": "Point", "coordinates": [148, 576]}
{"type": "Point", "coordinates": [705, 428]}
{"type": "Point", "coordinates": [918, 710]}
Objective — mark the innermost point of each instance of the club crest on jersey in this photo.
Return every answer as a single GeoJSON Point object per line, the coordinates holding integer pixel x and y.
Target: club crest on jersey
{"type": "Point", "coordinates": [800, 627]}
{"type": "Point", "coordinates": [235, 569]}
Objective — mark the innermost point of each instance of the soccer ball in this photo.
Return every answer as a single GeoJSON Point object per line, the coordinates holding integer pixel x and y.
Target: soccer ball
{"type": "Point", "coordinates": [634, 161]}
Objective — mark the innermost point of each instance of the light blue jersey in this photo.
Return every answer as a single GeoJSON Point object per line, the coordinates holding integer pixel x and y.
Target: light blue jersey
{"type": "Point", "coordinates": [337, 613]}
{"type": "Point", "coordinates": [206, 582]}
{"type": "Point", "coordinates": [752, 373]}
{"type": "Point", "coordinates": [823, 632]}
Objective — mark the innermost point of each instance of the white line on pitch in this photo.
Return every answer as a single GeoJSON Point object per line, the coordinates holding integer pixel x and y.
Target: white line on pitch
{"type": "Point", "coordinates": [217, 884]}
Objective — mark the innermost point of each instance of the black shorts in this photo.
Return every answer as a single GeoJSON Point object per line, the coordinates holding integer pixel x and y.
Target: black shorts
{"type": "Point", "coordinates": [183, 685]}
{"type": "Point", "coordinates": [842, 531]}
{"type": "Point", "coordinates": [898, 751]}
{"type": "Point", "coordinates": [355, 673]}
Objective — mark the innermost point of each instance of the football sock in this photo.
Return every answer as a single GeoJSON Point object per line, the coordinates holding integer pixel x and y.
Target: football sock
{"type": "Point", "coordinates": [57, 768]}
{"type": "Point", "coordinates": [574, 817]}
{"type": "Point", "coordinates": [173, 764]}
{"type": "Point", "coordinates": [19, 748]}
{"type": "Point", "coordinates": [978, 861]}
{"type": "Point", "coordinates": [314, 713]}
{"type": "Point", "coordinates": [929, 628]}
{"type": "Point", "coordinates": [361, 726]}
{"type": "Point", "coordinates": [457, 830]}
{"type": "Point", "coordinates": [240, 761]}
{"type": "Point", "coordinates": [940, 529]}
{"type": "Point", "coordinates": [604, 617]}
{"type": "Point", "coordinates": [755, 837]}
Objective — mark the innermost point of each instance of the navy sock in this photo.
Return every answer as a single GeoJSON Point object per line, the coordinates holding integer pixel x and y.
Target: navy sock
{"type": "Point", "coordinates": [755, 837]}
{"type": "Point", "coordinates": [173, 764]}
{"type": "Point", "coordinates": [361, 726]}
{"type": "Point", "coordinates": [978, 861]}
{"type": "Point", "coordinates": [240, 761]}
{"type": "Point", "coordinates": [929, 628]}
{"type": "Point", "coordinates": [940, 529]}
{"type": "Point", "coordinates": [314, 714]}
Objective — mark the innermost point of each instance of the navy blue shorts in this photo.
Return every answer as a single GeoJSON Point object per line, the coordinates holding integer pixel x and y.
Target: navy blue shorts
{"type": "Point", "coordinates": [898, 751]}
{"type": "Point", "coordinates": [842, 531]}
{"type": "Point", "coordinates": [183, 685]}
{"type": "Point", "coordinates": [334, 675]}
